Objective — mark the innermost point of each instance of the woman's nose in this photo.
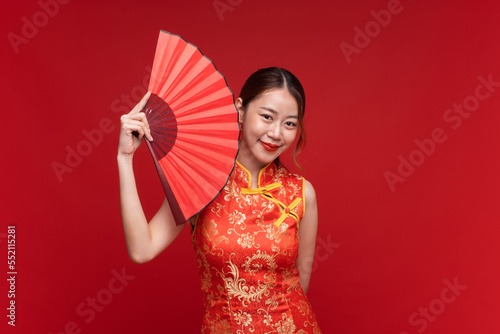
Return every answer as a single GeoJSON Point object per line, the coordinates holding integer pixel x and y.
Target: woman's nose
{"type": "Point", "coordinates": [275, 131]}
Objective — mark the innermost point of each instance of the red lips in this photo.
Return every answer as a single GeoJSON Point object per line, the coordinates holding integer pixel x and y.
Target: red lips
{"type": "Point", "coordinates": [269, 147]}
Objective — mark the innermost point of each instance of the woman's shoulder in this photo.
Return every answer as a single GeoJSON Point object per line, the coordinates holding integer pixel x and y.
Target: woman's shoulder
{"type": "Point", "coordinates": [309, 192]}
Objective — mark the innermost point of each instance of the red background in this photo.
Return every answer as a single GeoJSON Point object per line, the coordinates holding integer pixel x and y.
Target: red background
{"type": "Point", "coordinates": [389, 252]}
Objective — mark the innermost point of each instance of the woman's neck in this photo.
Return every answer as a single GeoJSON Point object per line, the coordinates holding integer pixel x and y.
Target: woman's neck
{"type": "Point", "coordinates": [253, 166]}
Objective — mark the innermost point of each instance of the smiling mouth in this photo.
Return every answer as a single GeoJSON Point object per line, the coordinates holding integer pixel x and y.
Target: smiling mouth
{"type": "Point", "coordinates": [269, 147]}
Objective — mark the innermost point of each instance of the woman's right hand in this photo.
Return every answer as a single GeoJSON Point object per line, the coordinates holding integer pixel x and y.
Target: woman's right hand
{"type": "Point", "coordinates": [134, 121]}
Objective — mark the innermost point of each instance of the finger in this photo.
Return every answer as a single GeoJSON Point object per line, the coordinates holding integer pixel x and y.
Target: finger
{"type": "Point", "coordinates": [136, 117]}
{"type": "Point", "coordinates": [147, 129]}
{"type": "Point", "coordinates": [139, 106]}
{"type": "Point", "coordinates": [142, 129]}
{"type": "Point", "coordinates": [130, 128]}
{"type": "Point", "coordinates": [139, 118]}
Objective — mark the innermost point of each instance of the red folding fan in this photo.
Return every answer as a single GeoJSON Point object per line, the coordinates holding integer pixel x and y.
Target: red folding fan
{"type": "Point", "coordinates": [194, 124]}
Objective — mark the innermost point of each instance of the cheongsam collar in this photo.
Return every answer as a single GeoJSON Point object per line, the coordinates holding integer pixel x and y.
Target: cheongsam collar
{"type": "Point", "coordinates": [266, 175]}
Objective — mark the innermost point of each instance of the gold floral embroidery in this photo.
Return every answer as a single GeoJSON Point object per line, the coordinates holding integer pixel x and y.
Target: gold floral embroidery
{"type": "Point", "coordinates": [296, 190]}
{"type": "Point", "coordinates": [206, 277]}
{"type": "Point", "coordinates": [247, 240]}
{"type": "Point", "coordinates": [275, 232]}
{"type": "Point", "coordinates": [291, 279]}
{"type": "Point", "coordinates": [303, 307]}
{"type": "Point", "coordinates": [238, 287]}
{"type": "Point", "coordinates": [220, 326]}
{"type": "Point", "coordinates": [237, 218]}
{"type": "Point", "coordinates": [272, 303]}
{"type": "Point", "coordinates": [285, 325]}
{"type": "Point", "coordinates": [210, 233]}
{"type": "Point", "coordinates": [268, 319]}
{"type": "Point", "coordinates": [253, 265]}
{"type": "Point", "coordinates": [242, 318]}
{"type": "Point", "coordinates": [217, 208]}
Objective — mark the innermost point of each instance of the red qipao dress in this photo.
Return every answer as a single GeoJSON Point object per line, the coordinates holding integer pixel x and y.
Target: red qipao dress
{"type": "Point", "coordinates": [246, 245]}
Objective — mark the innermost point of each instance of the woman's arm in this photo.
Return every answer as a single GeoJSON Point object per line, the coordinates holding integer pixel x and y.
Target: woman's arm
{"type": "Point", "coordinates": [144, 241]}
{"type": "Point", "coordinates": [307, 236]}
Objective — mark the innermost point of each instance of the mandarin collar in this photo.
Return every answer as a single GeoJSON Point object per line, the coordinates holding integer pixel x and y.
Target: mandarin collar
{"type": "Point", "coordinates": [266, 175]}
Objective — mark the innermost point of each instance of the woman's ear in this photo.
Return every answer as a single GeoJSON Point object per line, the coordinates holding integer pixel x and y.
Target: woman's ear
{"type": "Point", "coordinates": [241, 110]}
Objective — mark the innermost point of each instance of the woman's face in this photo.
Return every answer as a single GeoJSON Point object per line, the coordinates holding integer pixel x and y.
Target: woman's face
{"type": "Point", "coordinates": [269, 123]}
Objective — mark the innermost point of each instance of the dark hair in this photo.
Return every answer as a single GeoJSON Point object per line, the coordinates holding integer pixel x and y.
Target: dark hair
{"type": "Point", "coordinates": [274, 77]}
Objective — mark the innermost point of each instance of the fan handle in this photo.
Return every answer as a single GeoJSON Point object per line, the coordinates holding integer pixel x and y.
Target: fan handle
{"type": "Point", "coordinates": [174, 205]}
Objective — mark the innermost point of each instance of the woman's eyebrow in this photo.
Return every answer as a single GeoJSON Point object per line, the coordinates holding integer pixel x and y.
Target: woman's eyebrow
{"type": "Point", "coordinates": [269, 109]}
{"type": "Point", "coordinates": [275, 112]}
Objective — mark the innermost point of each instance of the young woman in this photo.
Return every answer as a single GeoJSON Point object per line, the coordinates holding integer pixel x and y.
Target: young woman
{"type": "Point", "coordinates": [254, 243]}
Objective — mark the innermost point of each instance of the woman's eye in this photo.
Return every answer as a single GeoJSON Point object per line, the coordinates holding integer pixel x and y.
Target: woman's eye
{"type": "Point", "coordinates": [266, 116]}
{"type": "Point", "coordinates": [292, 124]}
